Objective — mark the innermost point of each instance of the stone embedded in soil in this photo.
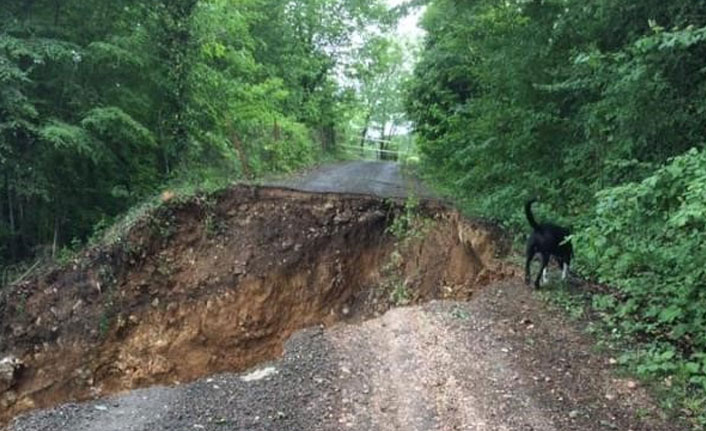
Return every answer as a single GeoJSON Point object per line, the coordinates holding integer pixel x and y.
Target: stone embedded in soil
{"type": "Point", "coordinates": [8, 399]}
{"type": "Point", "coordinates": [10, 368]}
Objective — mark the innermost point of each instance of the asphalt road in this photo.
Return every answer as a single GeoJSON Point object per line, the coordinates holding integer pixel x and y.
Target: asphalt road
{"type": "Point", "coordinates": [384, 179]}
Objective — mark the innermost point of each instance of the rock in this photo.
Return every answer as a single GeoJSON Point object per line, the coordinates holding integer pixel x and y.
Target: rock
{"type": "Point", "coordinates": [573, 414]}
{"type": "Point", "coordinates": [343, 217]}
{"type": "Point", "coordinates": [77, 305]}
{"type": "Point", "coordinates": [8, 399]}
{"type": "Point", "coordinates": [17, 330]}
{"type": "Point", "coordinates": [10, 369]}
{"type": "Point", "coordinates": [25, 404]}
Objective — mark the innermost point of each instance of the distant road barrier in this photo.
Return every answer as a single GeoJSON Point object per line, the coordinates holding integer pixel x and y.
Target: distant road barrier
{"type": "Point", "coordinates": [364, 148]}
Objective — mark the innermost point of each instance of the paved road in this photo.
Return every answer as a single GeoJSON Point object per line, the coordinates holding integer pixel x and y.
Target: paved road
{"type": "Point", "coordinates": [383, 179]}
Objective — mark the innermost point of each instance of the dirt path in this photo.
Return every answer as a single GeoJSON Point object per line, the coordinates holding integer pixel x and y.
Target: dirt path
{"type": "Point", "coordinates": [502, 361]}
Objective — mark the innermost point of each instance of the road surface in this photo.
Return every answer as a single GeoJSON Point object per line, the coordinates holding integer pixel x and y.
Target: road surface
{"type": "Point", "coordinates": [384, 179]}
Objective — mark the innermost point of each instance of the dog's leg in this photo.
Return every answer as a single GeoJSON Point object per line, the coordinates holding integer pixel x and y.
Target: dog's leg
{"type": "Point", "coordinates": [565, 271]}
{"type": "Point", "coordinates": [530, 256]}
{"type": "Point", "coordinates": [545, 262]}
{"type": "Point", "coordinates": [544, 276]}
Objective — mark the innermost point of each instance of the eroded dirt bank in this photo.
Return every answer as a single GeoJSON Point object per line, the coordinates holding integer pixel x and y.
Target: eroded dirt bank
{"type": "Point", "coordinates": [219, 283]}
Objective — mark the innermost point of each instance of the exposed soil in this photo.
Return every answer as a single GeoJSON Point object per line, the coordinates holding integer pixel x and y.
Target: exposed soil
{"type": "Point", "coordinates": [220, 283]}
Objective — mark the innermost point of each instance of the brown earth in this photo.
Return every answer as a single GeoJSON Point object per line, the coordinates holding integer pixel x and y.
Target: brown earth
{"type": "Point", "coordinates": [219, 283]}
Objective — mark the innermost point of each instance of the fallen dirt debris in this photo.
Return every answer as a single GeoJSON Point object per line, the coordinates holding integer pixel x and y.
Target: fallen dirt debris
{"type": "Point", "coordinates": [219, 283]}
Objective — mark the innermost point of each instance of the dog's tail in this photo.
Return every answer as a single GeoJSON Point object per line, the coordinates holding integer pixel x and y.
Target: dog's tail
{"type": "Point", "coordinates": [528, 213]}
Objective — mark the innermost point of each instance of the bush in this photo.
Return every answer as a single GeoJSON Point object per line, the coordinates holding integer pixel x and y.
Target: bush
{"type": "Point", "coordinates": [648, 239]}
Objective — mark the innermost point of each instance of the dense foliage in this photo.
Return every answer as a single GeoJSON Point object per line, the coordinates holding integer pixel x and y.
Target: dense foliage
{"type": "Point", "coordinates": [597, 107]}
{"type": "Point", "coordinates": [647, 239]}
{"type": "Point", "coordinates": [585, 104]}
{"type": "Point", "coordinates": [101, 105]}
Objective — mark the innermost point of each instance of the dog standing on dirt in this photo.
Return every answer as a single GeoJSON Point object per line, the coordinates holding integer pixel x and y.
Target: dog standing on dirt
{"type": "Point", "coordinates": [548, 240]}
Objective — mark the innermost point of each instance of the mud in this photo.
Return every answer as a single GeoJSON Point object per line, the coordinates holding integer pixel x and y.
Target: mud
{"type": "Point", "coordinates": [219, 283]}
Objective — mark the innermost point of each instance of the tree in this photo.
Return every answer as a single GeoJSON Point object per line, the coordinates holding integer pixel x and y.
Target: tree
{"type": "Point", "coordinates": [380, 76]}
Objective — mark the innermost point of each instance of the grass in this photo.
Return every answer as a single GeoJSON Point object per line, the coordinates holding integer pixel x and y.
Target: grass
{"type": "Point", "coordinates": [460, 313]}
{"type": "Point", "coordinates": [400, 294]}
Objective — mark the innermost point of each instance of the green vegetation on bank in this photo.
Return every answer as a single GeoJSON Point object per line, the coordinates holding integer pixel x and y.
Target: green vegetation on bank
{"type": "Point", "coordinates": [597, 107]}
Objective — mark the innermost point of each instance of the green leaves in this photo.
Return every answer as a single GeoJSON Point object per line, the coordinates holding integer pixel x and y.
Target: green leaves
{"type": "Point", "coordinates": [657, 226]}
{"type": "Point", "coordinates": [68, 138]}
{"type": "Point", "coordinates": [677, 39]}
{"type": "Point", "coordinates": [114, 54]}
{"type": "Point", "coordinates": [114, 125]}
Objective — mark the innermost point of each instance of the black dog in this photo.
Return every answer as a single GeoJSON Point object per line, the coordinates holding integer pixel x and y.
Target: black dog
{"type": "Point", "coordinates": [548, 240]}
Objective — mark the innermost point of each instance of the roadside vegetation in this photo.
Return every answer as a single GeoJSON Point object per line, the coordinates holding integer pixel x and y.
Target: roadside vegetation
{"type": "Point", "coordinates": [599, 109]}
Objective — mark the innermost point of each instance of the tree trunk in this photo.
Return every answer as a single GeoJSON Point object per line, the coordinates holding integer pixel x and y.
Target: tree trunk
{"type": "Point", "coordinates": [364, 133]}
{"type": "Point", "coordinates": [239, 150]}
{"type": "Point", "coordinates": [276, 131]}
{"type": "Point", "coordinates": [28, 9]}
{"type": "Point", "coordinates": [56, 236]}
{"type": "Point", "coordinates": [57, 11]}
{"type": "Point", "coordinates": [11, 219]}
{"type": "Point", "coordinates": [330, 136]}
